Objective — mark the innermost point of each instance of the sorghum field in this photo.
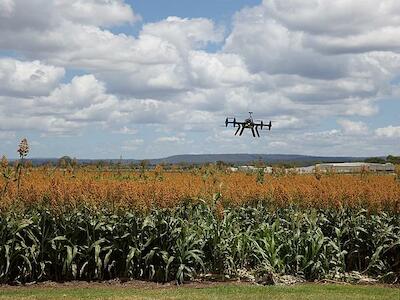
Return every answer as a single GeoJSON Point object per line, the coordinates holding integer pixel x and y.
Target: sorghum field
{"type": "Point", "coordinates": [94, 223]}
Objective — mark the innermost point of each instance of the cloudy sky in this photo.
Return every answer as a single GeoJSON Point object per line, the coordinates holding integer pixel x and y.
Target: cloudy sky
{"type": "Point", "coordinates": [152, 78]}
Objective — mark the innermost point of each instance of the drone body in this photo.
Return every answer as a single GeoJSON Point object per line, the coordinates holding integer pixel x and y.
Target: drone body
{"type": "Point", "coordinates": [248, 123]}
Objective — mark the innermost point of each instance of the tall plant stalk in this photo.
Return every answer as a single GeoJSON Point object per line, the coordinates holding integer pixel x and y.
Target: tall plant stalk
{"type": "Point", "coordinates": [23, 151]}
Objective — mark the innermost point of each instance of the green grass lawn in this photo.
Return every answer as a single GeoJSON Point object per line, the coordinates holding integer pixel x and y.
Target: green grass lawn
{"type": "Point", "coordinates": [231, 292]}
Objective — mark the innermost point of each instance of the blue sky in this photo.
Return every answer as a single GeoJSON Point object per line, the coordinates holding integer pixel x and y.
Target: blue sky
{"type": "Point", "coordinates": [146, 79]}
{"type": "Point", "coordinates": [218, 10]}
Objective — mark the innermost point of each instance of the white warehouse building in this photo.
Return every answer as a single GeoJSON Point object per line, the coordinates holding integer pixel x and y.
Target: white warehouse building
{"type": "Point", "coordinates": [356, 167]}
{"type": "Point", "coordinates": [346, 167]}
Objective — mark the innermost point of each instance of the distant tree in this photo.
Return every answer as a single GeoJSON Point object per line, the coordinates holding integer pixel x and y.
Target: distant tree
{"type": "Point", "coordinates": [393, 159]}
{"type": "Point", "coordinates": [378, 160]}
{"type": "Point", "coordinates": [290, 165]}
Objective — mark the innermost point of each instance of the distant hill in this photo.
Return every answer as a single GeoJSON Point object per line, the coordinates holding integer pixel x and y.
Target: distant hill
{"type": "Point", "coordinates": [247, 158]}
{"type": "Point", "coordinates": [227, 158]}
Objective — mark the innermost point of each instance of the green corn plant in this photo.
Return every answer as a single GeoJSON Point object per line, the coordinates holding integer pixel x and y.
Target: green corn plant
{"type": "Point", "coordinates": [268, 248]}
{"type": "Point", "coordinates": [178, 244]}
{"type": "Point", "coordinates": [187, 257]}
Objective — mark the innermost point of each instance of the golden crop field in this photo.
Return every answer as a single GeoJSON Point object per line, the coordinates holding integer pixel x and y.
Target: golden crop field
{"type": "Point", "coordinates": [68, 188]}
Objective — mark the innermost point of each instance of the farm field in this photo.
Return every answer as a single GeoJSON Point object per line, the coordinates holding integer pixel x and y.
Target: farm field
{"type": "Point", "coordinates": [245, 149]}
{"type": "Point", "coordinates": [69, 188]}
{"type": "Point", "coordinates": [86, 223]}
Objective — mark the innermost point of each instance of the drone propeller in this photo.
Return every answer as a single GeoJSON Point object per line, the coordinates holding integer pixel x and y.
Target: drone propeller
{"type": "Point", "coordinates": [230, 120]}
{"type": "Point", "coordinates": [267, 125]}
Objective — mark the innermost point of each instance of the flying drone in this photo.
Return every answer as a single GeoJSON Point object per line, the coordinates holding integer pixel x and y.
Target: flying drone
{"type": "Point", "coordinates": [248, 123]}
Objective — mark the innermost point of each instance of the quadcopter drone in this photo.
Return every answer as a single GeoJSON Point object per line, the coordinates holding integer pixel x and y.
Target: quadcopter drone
{"type": "Point", "coordinates": [248, 123]}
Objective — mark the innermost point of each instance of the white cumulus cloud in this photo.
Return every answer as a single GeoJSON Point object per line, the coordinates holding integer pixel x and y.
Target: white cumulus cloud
{"type": "Point", "coordinates": [27, 78]}
{"type": "Point", "coordinates": [388, 132]}
{"type": "Point", "coordinates": [353, 127]}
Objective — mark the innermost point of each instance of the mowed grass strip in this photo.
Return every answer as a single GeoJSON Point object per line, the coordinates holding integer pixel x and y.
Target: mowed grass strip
{"type": "Point", "coordinates": [229, 291]}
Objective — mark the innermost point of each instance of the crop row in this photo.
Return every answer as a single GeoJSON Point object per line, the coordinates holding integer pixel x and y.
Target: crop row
{"type": "Point", "coordinates": [190, 240]}
{"type": "Point", "coordinates": [65, 190]}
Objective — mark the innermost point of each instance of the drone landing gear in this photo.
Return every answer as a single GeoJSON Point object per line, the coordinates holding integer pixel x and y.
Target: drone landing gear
{"type": "Point", "coordinates": [237, 130]}
{"type": "Point", "coordinates": [241, 131]}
